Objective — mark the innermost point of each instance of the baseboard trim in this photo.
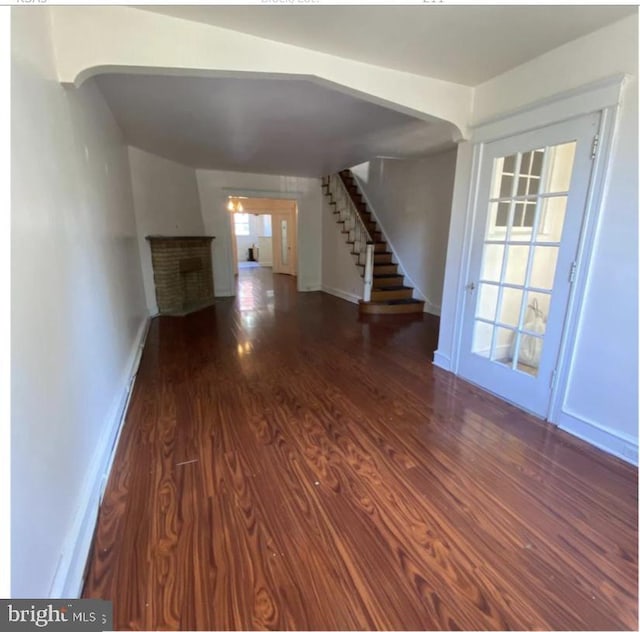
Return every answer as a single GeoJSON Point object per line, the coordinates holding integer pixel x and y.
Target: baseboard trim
{"type": "Point", "coordinates": [309, 287]}
{"type": "Point", "coordinates": [442, 360]}
{"type": "Point", "coordinates": [69, 578]}
{"type": "Point", "coordinates": [430, 308]}
{"type": "Point", "coordinates": [346, 296]}
{"type": "Point", "coordinates": [617, 443]}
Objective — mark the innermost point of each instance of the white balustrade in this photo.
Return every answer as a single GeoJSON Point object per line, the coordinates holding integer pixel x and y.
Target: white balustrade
{"type": "Point", "coordinates": [354, 226]}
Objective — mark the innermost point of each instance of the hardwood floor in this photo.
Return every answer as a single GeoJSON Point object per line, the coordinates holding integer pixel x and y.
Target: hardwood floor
{"type": "Point", "coordinates": [287, 464]}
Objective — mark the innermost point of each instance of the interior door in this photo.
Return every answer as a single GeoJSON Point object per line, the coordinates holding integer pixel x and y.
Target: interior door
{"type": "Point", "coordinates": [284, 243]}
{"type": "Point", "coordinates": [532, 193]}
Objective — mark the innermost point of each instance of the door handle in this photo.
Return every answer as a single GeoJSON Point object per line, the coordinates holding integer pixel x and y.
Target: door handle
{"type": "Point", "coordinates": [470, 286]}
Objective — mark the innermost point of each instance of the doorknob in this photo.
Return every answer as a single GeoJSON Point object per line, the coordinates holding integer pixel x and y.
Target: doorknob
{"type": "Point", "coordinates": [470, 286]}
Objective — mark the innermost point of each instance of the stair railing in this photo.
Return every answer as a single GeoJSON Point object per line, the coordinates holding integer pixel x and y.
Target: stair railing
{"type": "Point", "coordinates": [358, 233]}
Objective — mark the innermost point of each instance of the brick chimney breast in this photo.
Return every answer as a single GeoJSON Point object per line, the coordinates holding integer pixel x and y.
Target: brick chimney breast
{"type": "Point", "coordinates": [182, 273]}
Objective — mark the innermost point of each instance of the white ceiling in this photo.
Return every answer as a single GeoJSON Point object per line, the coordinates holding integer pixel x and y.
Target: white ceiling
{"type": "Point", "coordinates": [292, 127]}
{"type": "Point", "coordinates": [462, 44]}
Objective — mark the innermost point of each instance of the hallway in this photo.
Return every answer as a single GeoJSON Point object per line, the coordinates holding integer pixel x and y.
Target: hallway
{"type": "Point", "coordinates": [286, 464]}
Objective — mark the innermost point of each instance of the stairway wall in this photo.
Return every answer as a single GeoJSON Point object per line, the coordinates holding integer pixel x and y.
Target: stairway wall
{"type": "Point", "coordinates": [340, 275]}
{"type": "Point", "coordinates": [412, 202]}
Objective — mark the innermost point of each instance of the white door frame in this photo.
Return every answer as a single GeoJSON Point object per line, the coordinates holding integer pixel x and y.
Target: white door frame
{"type": "Point", "coordinates": [602, 96]}
{"type": "Point", "coordinates": [254, 193]}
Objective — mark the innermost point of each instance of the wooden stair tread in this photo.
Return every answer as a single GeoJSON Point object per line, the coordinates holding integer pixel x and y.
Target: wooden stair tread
{"type": "Point", "coordinates": [398, 306]}
{"type": "Point", "coordinates": [400, 301]}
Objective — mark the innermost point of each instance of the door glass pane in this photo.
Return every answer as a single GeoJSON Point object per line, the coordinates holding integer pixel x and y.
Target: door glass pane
{"type": "Point", "coordinates": [561, 167]}
{"type": "Point", "coordinates": [504, 170]}
{"type": "Point", "coordinates": [517, 258]}
{"type": "Point", "coordinates": [284, 242]}
{"type": "Point", "coordinates": [497, 221]}
{"type": "Point", "coordinates": [528, 354]}
{"type": "Point", "coordinates": [536, 313]}
{"type": "Point", "coordinates": [502, 214]}
{"type": "Point", "coordinates": [506, 184]}
{"type": "Point", "coordinates": [502, 350]}
{"type": "Point", "coordinates": [543, 268]}
{"type": "Point", "coordinates": [492, 262]}
{"type": "Point", "coordinates": [552, 219]}
{"type": "Point", "coordinates": [510, 303]}
{"type": "Point", "coordinates": [487, 301]}
{"type": "Point", "coordinates": [482, 335]}
{"type": "Point", "coordinates": [530, 172]}
{"type": "Point", "coordinates": [519, 201]}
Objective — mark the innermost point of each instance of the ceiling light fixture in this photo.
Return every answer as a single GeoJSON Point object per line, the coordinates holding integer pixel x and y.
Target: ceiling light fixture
{"type": "Point", "coordinates": [234, 205]}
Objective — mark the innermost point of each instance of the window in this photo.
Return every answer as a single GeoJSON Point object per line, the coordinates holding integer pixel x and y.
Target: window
{"type": "Point", "coordinates": [241, 222]}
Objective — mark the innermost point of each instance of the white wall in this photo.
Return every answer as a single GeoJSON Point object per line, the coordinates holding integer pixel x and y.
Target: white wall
{"type": "Point", "coordinates": [600, 402]}
{"type": "Point", "coordinates": [166, 202]}
{"type": "Point", "coordinates": [340, 275]}
{"type": "Point", "coordinates": [77, 309]}
{"type": "Point", "coordinates": [595, 56]}
{"type": "Point", "coordinates": [412, 201]}
{"type": "Point", "coordinates": [216, 186]}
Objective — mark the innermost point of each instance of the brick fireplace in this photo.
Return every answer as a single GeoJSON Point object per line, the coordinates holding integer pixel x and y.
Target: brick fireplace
{"type": "Point", "coordinates": [182, 273]}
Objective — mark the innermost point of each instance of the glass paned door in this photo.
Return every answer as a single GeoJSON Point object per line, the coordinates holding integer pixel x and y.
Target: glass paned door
{"type": "Point", "coordinates": [522, 237]}
{"type": "Point", "coordinates": [532, 194]}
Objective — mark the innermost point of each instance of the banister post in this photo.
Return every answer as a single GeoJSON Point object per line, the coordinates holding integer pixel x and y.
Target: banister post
{"type": "Point", "coordinates": [368, 273]}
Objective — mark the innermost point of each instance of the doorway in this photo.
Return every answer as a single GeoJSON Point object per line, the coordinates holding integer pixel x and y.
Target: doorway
{"type": "Point", "coordinates": [264, 234]}
{"type": "Point", "coordinates": [532, 195]}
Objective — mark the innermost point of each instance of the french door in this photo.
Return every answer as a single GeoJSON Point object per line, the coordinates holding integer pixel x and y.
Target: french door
{"type": "Point", "coordinates": [531, 199]}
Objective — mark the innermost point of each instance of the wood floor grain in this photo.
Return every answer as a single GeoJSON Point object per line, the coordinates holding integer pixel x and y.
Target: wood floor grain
{"type": "Point", "coordinates": [286, 464]}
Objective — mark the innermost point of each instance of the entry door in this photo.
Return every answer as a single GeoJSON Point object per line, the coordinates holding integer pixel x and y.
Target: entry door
{"type": "Point", "coordinates": [284, 241]}
{"type": "Point", "coordinates": [531, 202]}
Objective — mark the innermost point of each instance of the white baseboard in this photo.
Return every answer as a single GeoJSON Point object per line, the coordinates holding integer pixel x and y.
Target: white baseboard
{"type": "Point", "coordinates": [347, 296]}
{"type": "Point", "coordinates": [430, 308]}
{"type": "Point", "coordinates": [617, 443]}
{"type": "Point", "coordinates": [304, 286]}
{"type": "Point", "coordinates": [69, 577]}
{"type": "Point", "coordinates": [442, 360]}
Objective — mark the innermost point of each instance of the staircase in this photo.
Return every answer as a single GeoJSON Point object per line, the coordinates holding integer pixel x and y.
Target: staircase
{"type": "Point", "coordinates": [389, 294]}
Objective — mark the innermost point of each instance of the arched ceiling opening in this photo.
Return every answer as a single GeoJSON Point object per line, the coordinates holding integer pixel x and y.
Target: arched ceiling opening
{"type": "Point", "coordinates": [263, 125]}
{"type": "Point", "coordinates": [101, 39]}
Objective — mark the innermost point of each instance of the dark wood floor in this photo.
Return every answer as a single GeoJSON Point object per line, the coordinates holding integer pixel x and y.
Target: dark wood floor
{"type": "Point", "coordinates": [286, 465]}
